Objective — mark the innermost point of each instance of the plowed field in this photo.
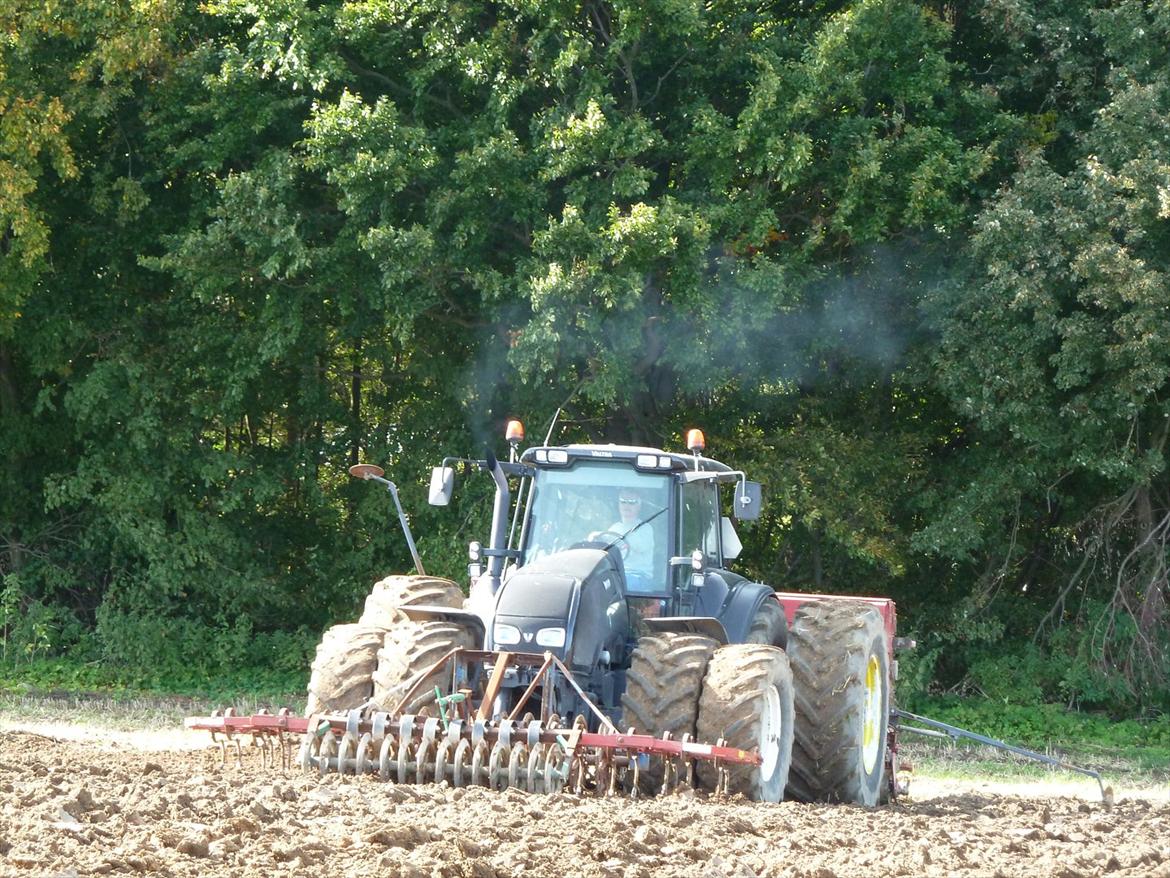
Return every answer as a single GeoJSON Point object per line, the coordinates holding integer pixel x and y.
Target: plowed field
{"type": "Point", "coordinates": [122, 807]}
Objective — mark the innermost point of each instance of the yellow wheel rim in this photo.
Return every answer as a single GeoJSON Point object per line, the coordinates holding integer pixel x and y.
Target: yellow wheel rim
{"type": "Point", "coordinates": [871, 723]}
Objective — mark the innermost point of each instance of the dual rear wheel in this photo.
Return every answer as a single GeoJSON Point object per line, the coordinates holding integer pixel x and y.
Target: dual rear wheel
{"type": "Point", "coordinates": [741, 694]}
{"type": "Point", "coordinates": [817, 712]}
{"type": "Point", "coordinates": [840, 666]}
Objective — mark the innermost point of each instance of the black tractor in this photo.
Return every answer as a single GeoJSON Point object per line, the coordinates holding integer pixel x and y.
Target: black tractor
{"type": "Point", "coordinates": [612, 559]}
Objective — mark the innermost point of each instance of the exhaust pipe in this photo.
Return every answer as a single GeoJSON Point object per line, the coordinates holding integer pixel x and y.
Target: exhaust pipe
{"type": "Point", "coordinates": [498, 542]}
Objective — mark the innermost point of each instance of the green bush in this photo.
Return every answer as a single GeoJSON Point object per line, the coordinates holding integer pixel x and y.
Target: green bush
{"type": "Point", "coordinates": [176, 654]}
{"type": "Point", "coordinates": [1041, 725]}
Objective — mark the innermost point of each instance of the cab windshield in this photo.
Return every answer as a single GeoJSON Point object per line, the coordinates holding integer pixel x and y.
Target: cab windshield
{"type": "Point", "coordinates": [608, 503]}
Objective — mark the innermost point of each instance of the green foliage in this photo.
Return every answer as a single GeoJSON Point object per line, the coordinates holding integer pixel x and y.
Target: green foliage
{"type": "Point", "coordinates": [905, 263]}
{"type": "Point", "coordinates": [231, 686]}
{"type": "Point", "coordinates": [1053, 344]}
{"type": "Point", "coordinates": [56, 674]}
{"type": "Point", "coordinates": [1038, 726]}
{"type": "Point", "coordinates": [172, 657]}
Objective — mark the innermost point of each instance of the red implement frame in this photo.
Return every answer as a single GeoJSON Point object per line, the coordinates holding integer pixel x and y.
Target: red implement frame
{"type": "Point", "coordinates": [607, 746]}
{"type": "Point", "coordinates": [266, 724]}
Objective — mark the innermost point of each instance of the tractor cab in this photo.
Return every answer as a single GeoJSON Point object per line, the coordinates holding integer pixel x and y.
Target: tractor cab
{"type": "Point", "coordinates": [594, 546]}
{"type": "Point", "coordinates": [661, 512]}
{"type": "Point", "coordinates": [657, 516]}
{"type": "Point", "coordinates": [600, 504]}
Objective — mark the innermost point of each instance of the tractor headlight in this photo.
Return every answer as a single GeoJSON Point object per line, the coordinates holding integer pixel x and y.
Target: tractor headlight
{"type": "Point", "coordinates": [505, 634]}
{"type": "Point", "coordinates": [550, 637]}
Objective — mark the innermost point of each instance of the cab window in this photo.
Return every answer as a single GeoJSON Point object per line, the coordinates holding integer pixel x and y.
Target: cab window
{"type": "Point", "coordinates": [700, 521]}
{"type": "Point", "coordinates": [608, 503]}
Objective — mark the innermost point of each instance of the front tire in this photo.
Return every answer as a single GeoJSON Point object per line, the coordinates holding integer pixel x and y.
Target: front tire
{"type": "Point", "coordinates": [662, 690]}
{"type": "Point", "coordinates": [410, 649]}
{"type": "Point", "coordinates": [389, 594]}
{"type": "Point", "coordinates": [748, 702]}
{"type": "Point", "coordinates": [840, 663]}
{"type": "Point", "coordinates": [342, 670]}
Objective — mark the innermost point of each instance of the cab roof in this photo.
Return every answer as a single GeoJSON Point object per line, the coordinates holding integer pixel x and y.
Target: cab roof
{"type": "Point", "coordinates": [624, 453]}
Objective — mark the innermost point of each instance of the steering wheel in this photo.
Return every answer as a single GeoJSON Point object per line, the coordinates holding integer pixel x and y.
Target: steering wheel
{"type": "Point", "coordinates": [596, 537]}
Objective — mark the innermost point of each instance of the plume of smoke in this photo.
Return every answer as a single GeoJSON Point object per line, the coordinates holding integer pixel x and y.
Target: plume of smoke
{"type": "Point", "coordinates": [750, 323]}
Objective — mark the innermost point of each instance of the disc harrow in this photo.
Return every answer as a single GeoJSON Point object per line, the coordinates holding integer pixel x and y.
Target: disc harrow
{"type": "Point", "coordinates": [466, 747]}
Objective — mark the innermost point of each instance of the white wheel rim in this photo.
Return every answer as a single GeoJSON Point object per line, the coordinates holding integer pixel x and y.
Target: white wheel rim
{"type": "Point", "coordinates": [871, 722]}
{"type": "Point", "coordinates": [771, 727]}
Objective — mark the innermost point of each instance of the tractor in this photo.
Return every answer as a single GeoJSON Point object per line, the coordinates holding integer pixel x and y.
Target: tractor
{"type": "Point", "coordinates": [609, 646]}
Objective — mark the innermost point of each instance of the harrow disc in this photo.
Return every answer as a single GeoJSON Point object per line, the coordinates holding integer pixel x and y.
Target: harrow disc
{"type": "Point", "coordinates": [517, 765]}
{"type": "Point", "coordinates": [459, 779]}
{"type": "Point", "coordinates": [442, 757]}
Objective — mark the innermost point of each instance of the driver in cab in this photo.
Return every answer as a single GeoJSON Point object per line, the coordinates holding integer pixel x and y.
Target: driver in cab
{"type": "Point", "coordinates": [639, 558]}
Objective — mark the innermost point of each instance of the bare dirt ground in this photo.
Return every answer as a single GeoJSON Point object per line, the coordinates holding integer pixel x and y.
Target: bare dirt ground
{"type": "Point", "coordinates": [80, 801]}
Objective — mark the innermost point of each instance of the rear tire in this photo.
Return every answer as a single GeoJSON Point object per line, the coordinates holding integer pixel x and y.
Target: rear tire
{"type": "Point", "coordinates": [341, 676]}
{"type": "Point", "coordinates": [409, 649]}
{"type": "Point", "coordinates": [396, 591]}
{"type": "Point", "coordinates": [840, 663]}
{"type": "Point", "coordinates": [662, 690]}
{"type": "Point", "coordinates": [747, 700]}
{"type": "Point", "coordinates": [770, 625]}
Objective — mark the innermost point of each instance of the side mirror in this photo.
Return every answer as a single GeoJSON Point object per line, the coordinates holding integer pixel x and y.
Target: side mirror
{"type": "Point", "coordinates": [747, 501]}
{"type": "Point", "coordinates": [442, 485]}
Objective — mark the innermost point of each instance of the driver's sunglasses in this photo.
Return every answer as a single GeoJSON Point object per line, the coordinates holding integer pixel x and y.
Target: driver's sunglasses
{"type": "Point", "coordinates": [630, 501]}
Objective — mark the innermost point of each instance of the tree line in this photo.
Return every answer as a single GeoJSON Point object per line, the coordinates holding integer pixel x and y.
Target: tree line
{"type": "Point", "coordinates": [905, 263]}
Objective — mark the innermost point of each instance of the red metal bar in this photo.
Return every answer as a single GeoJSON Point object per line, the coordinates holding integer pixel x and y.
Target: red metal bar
{"type": "Point", "coordinates": [523, 701]}
{"type": "Point", "coordinates": [263, 723]}
{"type": "Point", "coordinates": [493, 687]}
{"type": "Point", "coordinates": [650, 744]}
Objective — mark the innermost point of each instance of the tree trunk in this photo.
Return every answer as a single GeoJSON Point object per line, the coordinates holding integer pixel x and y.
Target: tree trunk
{"type": "Point", "coordinates": [7, 383]}
{"type": "Point", "coordinates": [355, 406]}
{"type": "Point", "coordinates": [818, 569]}
{"type": "Point", "coordinates": [8, 406]}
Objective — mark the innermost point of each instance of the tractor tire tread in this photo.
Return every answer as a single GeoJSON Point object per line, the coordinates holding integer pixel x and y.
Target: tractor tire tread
{"type": "Point", "coordinates": [663, 686]}
{"type": "Point", "coordinates": [729, 709]}
{"type": "Point", "coordinates": [770, 625]}
{"type": "Point", "coordinates": [387, 595]}
{"type": "Point", "coordinates": [341, 674]}
{"type": "Point", "coordinates": [829, 647]}
{"type": "Point", "coordinates": [409, 649]}
{"type": "Point", "coordinates": [663, 683]}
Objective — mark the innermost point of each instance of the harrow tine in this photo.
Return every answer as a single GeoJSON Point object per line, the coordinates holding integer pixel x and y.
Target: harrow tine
{"type": "Point", "coordinates": [384, 758]}
{"type": "Point", "coordinates": [403, 761]}
{"type": "Point", "coordinates": [422, 757]}
{"type": "Point", "coordinates": [479, 774]}
{"type": "Point", "coordinates": [722, 775]}
{"type": "Point", "coordinates": [687, 766]}
{"type": "Point", "coordinates": [666, 788]}
{"type": "Point", "coordinates": [442, 755]}
{"type": "Point", "coordinates": [327, 753]}
{"type": "Point", "coordinates": [344, 747]}
{"type": "Point", "coordinates": [518, 766]}
{"type": "Point", "coordinates": [498, 775]}
{"type": "Point", "coordinates": [555, 769]}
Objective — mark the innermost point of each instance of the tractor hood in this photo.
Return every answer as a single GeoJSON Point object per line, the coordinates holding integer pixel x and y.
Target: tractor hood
{"type": "Point", "coordinates": [572, 604]}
